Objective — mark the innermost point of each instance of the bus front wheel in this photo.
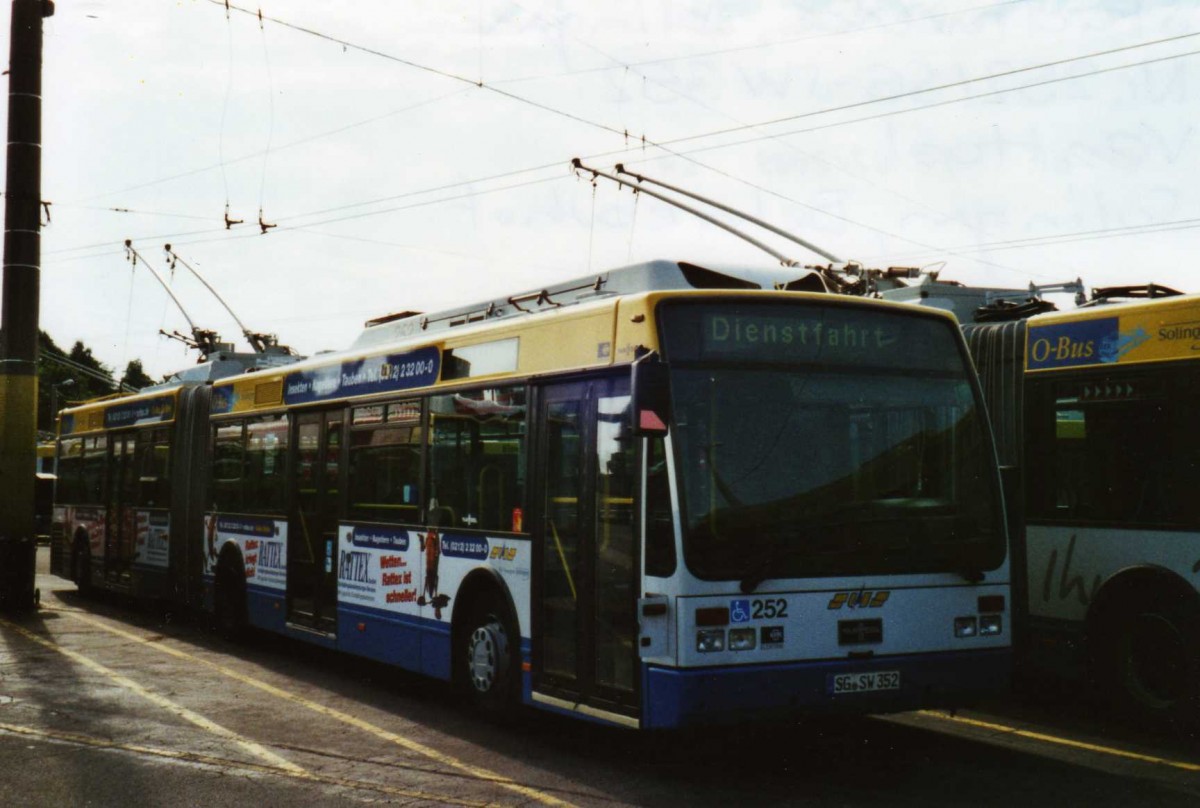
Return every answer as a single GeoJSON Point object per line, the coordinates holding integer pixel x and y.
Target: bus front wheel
{"type": "Point", "coordinates": [1151, 661]}
{"type": "Point", "coordinates": [488, 667]}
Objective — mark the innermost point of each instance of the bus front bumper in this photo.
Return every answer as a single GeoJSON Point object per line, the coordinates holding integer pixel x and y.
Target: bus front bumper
{"type": "Point", "coordinates": [681, 697]}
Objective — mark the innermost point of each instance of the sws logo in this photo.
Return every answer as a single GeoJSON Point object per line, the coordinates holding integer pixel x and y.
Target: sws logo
{"type": "Point", "coordinates": [862, 599]}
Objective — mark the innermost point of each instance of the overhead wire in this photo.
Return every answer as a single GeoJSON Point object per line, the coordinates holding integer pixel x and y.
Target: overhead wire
{"type": "Point", "coordinates": [1054, 239]}
{"type": "Point", "coordinates": [447, 74]}
{"type": "Point", "coordinates": [755, 46]}
{"type": "Point", "coordinates": [426, 203]}
{"type": "Point", "coordinates": [704, 105]}
{"type": "Point", "coordinates": [262, 185]}
{"type": "Point", "coordinates": [960, 83]}
{"type": "Point", "coordinates": [225, 113]}
{"type": "Point", "coordinates": [663, 145]}
{"type": "Point", "coordinates": [426, 68]}
{"type": "Point", "coordinates": [257, 154]}
{"type": "Point", "coordinates": [626, 150]}
{"type": "Point", "coordinates": [610, 153]}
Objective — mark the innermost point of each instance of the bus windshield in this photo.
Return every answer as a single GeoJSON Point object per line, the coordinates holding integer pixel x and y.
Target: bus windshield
{"type": "Point", "coordinates": [818, 440]}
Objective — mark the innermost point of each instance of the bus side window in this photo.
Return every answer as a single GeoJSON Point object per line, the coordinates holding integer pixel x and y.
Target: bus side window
{"type": "Point", "coordinates": [385, 462]}
{"type": "Point", "coordinates": [477, 458]}
{"type": "Point", "coordinates": [95, 462]}
{"type": "Point", "coordinates": [265, 464]}
{"type": "Point", "coordinates": [70, 488]}
{"type": "Point", "coordinates": [151, 460]}
{"type": "Point", "coordinates": [228, 467]}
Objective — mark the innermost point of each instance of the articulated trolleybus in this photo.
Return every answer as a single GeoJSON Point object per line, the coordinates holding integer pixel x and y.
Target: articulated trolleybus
{"type": "Point", "coordinates": [1097, 408]}
{"type": "Point", "coordinates": [659, 497]}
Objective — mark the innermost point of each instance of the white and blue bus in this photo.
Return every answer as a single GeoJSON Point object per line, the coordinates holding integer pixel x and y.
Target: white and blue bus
{"type": "Point", "coordinates": [659, 497]}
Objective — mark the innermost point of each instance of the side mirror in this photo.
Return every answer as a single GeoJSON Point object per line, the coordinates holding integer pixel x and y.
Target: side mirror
{"type": "Point", "coordinates": [650, 392]}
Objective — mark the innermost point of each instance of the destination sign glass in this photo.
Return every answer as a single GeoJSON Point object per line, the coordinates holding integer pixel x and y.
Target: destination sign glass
{"type": "Point", "coordinates": [805, 333]}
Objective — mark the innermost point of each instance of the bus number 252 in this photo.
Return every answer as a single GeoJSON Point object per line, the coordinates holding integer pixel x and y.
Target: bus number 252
{"type": "Point", "coordinates": [769, 608]}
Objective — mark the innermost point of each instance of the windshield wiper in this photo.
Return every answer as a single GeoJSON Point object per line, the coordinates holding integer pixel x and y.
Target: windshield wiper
{"type": "Point", "coordinates": [764, 564]}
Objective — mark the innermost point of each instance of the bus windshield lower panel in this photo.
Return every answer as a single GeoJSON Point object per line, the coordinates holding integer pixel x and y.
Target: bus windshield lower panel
{"type": "Point", "coordinates": [865, 463]}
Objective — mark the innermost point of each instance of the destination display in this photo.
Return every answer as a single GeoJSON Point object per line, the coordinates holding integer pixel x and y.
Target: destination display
{"type": "Point", "coordinates": [804, 334]}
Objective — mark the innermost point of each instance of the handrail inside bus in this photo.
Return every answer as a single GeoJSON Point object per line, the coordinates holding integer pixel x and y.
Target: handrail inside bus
{"type": "Point", "coordinates": [563, 557]}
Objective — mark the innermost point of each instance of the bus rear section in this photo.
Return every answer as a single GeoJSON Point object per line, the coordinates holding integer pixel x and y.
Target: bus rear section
{"type": "Point", "coordinates": [823, 531]}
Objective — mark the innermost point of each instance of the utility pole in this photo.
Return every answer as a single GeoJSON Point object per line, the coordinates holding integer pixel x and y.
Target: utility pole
{"type": "Point", "coordinates": [19, 305]}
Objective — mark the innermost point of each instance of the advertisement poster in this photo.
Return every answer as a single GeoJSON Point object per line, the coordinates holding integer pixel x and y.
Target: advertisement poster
{"type": "Point", "coordinates": [152, 529]}
{"type": "Point", "coordinates": [416, 572]}
{"type": "Point", "coordinates": [262, 541]}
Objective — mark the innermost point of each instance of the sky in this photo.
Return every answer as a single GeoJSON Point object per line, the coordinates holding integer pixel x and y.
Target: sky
{"type": "Point", "coordinates": [416, 156]}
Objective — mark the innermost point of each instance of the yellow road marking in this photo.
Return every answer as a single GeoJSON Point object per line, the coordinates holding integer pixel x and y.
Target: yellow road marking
{"type": "Point", "coordinates": [386, 735]}
{"type": "Point", "coordinates": [1054, 739]}
{"type": "Point", "coordinates": [177, 709]}
{"type": "Point", "coordinates": [223, 763]}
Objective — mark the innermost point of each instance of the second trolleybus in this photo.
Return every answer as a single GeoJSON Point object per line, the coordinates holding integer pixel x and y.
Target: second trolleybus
{"type": "Point", "coordinates": [661, 497]}
{"type": "Point", "coordinates": [1096, 407]}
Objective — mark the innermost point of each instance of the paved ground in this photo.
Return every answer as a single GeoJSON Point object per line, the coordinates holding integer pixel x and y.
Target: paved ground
{"type": "Point", "coordinates": [104, 703]}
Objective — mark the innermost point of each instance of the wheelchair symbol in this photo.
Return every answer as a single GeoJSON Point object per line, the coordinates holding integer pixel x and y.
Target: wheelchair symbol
{"type": "Point", "coordinates": [739, 611]}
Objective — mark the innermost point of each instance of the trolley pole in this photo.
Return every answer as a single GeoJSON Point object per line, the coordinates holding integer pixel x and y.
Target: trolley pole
{"type": "Point", "coordinates": [19, 305]}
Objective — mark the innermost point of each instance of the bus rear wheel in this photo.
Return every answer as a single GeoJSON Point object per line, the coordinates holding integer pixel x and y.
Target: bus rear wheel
{"type": "Point", "coordinates": [1152, 663]}
{"type": "Point", "coordinates": [488, 667]}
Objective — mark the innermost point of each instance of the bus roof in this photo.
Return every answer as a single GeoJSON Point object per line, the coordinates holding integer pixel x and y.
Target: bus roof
{"type": "Point", "coordinates": [574, 327]}
{"type": "Point", "coordinates": [645, 277]}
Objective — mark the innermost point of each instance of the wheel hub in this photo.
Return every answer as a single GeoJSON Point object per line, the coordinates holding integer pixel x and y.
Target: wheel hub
{"type": "Point", "coordinates": [485, 655]}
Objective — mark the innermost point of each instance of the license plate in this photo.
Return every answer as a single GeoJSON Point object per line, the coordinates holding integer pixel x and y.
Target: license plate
{"type": "Point", "coordinates": [840, 683]}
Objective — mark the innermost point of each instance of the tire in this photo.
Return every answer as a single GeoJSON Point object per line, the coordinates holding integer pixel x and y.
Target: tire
{"type": "Point", "coordinates": [1151, 663]}
{"type": "Point", "coordinates": [489, 665]}
{"type": "Point", "coordinates": [81, 567]}
{"type": "Point", "coordinates": [229, 606]}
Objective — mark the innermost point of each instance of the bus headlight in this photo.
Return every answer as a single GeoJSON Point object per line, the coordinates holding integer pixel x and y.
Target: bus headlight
{"type": "Point", "coordinates": [710, 639]}
{"type": "Point", "coordinates": [990, 625]}
{"type": "Point", "coordinates": [742, 639]}
{"type": "Point", "coordinates": [966, 626]}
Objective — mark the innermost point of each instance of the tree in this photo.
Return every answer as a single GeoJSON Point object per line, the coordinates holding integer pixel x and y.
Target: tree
{"type": "Point", "coordinates": [66, 377]}
{"type": "Point", "coordinates": [135, 376]}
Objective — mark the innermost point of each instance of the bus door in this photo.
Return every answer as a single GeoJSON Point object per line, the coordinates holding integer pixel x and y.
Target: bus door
{"type": "Point", "coordinates": [312, 549]}
{"type": "Point", "coordinates": [585, 592]}
{"type": "Point", "coordinates": [119, 537]}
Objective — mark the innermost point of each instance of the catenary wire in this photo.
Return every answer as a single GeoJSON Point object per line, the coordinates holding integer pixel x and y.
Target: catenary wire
{"type": "Point", "coordinates": [754, 46]}
{"type": "Point", "coordinates": [627, 150]}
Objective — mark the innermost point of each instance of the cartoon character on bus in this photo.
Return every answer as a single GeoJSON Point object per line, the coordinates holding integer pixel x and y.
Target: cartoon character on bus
{"type": "Point", "coordinates": [431, 545]}
{"type": "Point", "coordinates": [210, 535]}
